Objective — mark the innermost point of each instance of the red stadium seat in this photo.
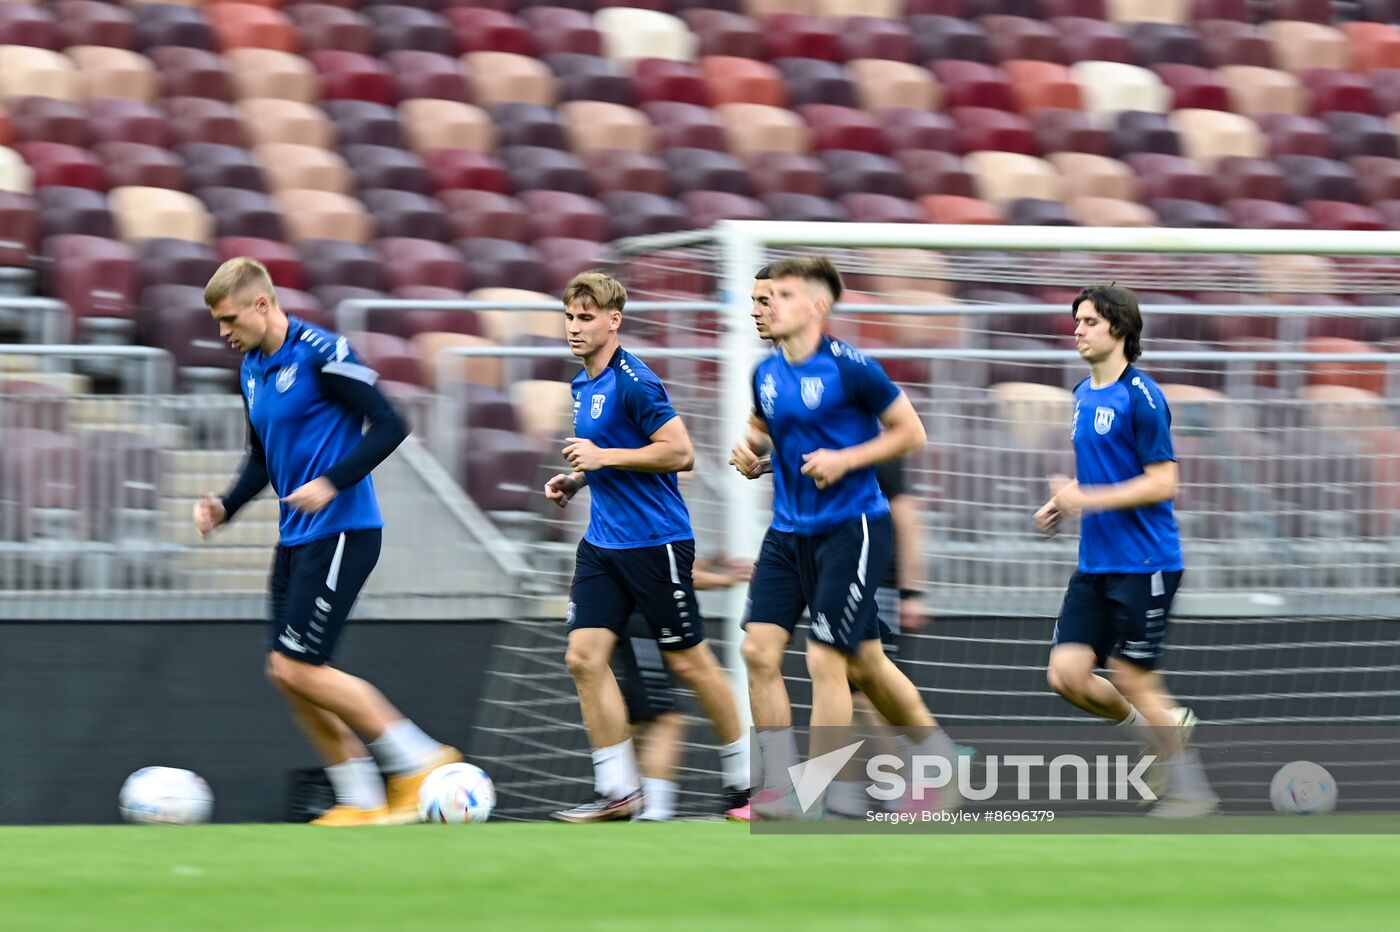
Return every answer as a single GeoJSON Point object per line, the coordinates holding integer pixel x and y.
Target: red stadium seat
{"type": "Point", "coordinates": [421, 262]}
{"type": "Point", "coordinates": [132, 164]}
{"type": "Point", "coordinates": [55, 164]}
{"type": "Point", "coordinates": [942, 208]}
{"type": "Point", "coordinates": [479, 30]}
{"type": "Point", "coordinates": [1092, 40]}
{"type": "Point", "coordinates": [721, 32]}
{"type": "Point", "coordinates": [1378, 178]}
{"type": "Point", "coordinates": [981, 129]}
{"type": "Point", "coordinates": [843, 128]}
{"type": "Point", "coordinates": [788, 173]}
{"type": "Point", "coordinates": [1016, 38]}
{"type": "Point", "coordinates": [556, 214]}
{"type": "Point", "coordinates": [34, 26]}
{"type": "Point", "coordinates": [452, 169]}
{"type": "Point", "coordinates": [793, 35]}
{"type": "Point", "coordinates": [1256, 179]}
{"type": "Point", "coordinates": [1194, 88]}
{"type": "Point", "coordinates": [872, 37]}
{"type": "Point", "coordinates": [324, 28]}
{"type": "Point", "coordinates": [913, 128]}
{"type": "Point", "coordinates": [428, 76]}
{"type": "Point", "coordinates": [1339, 215]}
{"type": "Point", "coordinates": [86, 22]}
{"type": "Point", "coordinates": [682, 125]}
{"type": "Point", "coordinates": [1227, 42]}
{"type": "Point", "coordinates": [971, 84]}
{"type": "Point", "coordinates": [626, 170]}
{"type": "Point", "coordinates": [928, 172]}
{"type": "Point", "coordinates": [1058, 130]}
{"type": "Point", "coordinates": [1171, 177]}
{"type": "Point", "coordinates": [352, 76]}
{"type": "Point", "coordinates": [1038, 85]}
{"type": "Point", "coordinates": [475, 214]}
{"type": "Point", "coordinates": [665, 79]}
{"type": "Point", "coordinates": [557, 30]}
{"type": "Point", "coordinates": [192, 73]}
{"type": "Point", "coordinates": [283, 262]}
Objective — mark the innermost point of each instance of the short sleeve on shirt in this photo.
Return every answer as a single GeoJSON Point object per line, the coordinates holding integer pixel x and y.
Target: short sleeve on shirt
{"type": "Point", "coordinates": [646, 402]}
{"type": "Point", "coordinates": [867, 385]}
{"type": "Point", "coordinates": [1152, 422]}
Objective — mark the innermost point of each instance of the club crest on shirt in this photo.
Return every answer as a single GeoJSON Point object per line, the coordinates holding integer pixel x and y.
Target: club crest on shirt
{"type": "Point", "coordinates": [286, 377]}
{"type": "Point", "coordinates": [767, 394]}
{"type": "Point", "coordinates": [251, 384]}
{"type": "Point", "coordinates": [1103, 420]}
{"type": "Point", "coordinates": [812, 392]}
{"type": "Point", "coordinates": [597, 409]}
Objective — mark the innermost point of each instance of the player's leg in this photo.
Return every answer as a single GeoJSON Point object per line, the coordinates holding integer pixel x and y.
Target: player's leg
{"type": "Point", "coordinates": [657, 728]}
{"type": "Point", "coordinates": [1083, 636]}
{"type": "Point", "coordinates": [324, 579]}
{"type": "Point", "coordinates": [599, 606]}
{"type": "Point", "coordinates": [660, 758]}
{"type": "Point", "coordinates": [356, 781]}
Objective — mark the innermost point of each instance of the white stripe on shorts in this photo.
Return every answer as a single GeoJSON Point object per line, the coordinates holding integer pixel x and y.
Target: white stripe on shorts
{"type": "Point", "coordinates": [333, 576]}
{"type": "Point", "coordinates": [864, 551]}
{"type": "Point", "coordinates": [671, 557]}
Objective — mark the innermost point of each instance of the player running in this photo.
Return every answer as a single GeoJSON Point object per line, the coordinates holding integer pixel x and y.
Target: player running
{"type": "Point", "coordinates": [308, 400]}
{"type": "Point", "coordinates": [1118, 600]}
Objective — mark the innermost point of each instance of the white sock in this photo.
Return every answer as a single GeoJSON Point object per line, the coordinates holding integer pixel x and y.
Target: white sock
{"type": "Point", "coordinates": [403, 748]}
{"type": "Point", "coordinates": [357, 783]}
{"type": "Point", "coordinates": [1186, 776]}
{"type": "Point", "coordinates": [615, 770]}
{"type": "Point", "coordinates": [734, 763]}
{"type": "Point", "coordinates": [660, 798]}
{"type": "Point", "coordinates": [1138, 723]}
{"type": "Point", "coordinates": [935, 744]}
{"type": "Point", "coordinates": [848, 798]}
{"type": "Point", "coordinates": [777, 749]}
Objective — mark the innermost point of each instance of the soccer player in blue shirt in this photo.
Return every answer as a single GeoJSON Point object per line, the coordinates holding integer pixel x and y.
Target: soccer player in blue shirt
{"type": "Point", "coordinates": [820, 406]}
{"type": "Point", "coordinates": [1118, 600]}
{"type": "Point", "coordinates": [308, 400]}
{"type": "Point", "coordinates": [637, 553]}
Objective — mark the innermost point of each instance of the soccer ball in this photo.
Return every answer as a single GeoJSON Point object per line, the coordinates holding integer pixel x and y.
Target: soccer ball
{"type": "Point", "coordinates": [456, 793]}
{"type": "Point", "coordinates": [1303, 788]}
{"type": "Point", "coordinates": [165, 794]}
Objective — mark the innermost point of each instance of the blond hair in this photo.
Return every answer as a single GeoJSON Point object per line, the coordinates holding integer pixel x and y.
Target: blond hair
{"type": "Point", "coordinates": [597, 288]}
{"type": "Point", "coordinates": [237, 276]}
{"type": "Point", "coordinates": [816, 269]}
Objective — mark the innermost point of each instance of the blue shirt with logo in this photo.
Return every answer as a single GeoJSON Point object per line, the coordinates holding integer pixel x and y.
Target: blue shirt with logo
{"type": "Point", "coordinates": [832, 400]}
{"type": "Point", "coordinates": [1118, 430]}
{"type": "Point", "coordinates": [622, 408]}
{"type": "Point", "coordinates": [304, 432]}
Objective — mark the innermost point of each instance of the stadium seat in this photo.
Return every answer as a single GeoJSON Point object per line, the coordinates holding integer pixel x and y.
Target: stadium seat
{"type": "Point", "coordinates": [1343, 91]}
{"type": "Point", "coordinates": [681, 125]}
{"type": "Point", "coordinates": [544, 408]}
{"type": "Point", "coordinates": [15, 174]}
{"type": "Point", "coordinates": [1257, 91]}
{"type": "Point", "coordinates": [1144, 11]}
{"type": "Point", "coordinates": [495, 463]}
{"type": "Point", "coordinates": [452, 169]}
{"type": "Point", "coordinates": [1020, 38]}
{"type": "Point", "coordinates": [30, 72]}
{"type": "Point", "coordinates": [421, 262]}
{"type": "Point", "coordinates": [528, 125]}
{"type": "Point", "coordinates": [624, 170]}
{"type": "Point", "coordinates": [851, 172]}
{"type": "Point", "coordinates": [386, 167]}
{"type": "Point", "coordinates": [188, 72]}
{"type": "Point", "coordinates": [159, 213]}
{"type": "Point", "coordinates": [94, 275]}
{"type": "Point", "coordinates": [1354, 134]}
{"type": "Point", "coordinates": [946, 208]}
{"type": "Point", "coordinates": [1111, 87]}
{"type": "Point", "coordinates": [932, 173]}
{"type": "Point", "coordinates": [706, 170]}
{"type": "Point", "coordinates": [557, 30]}
{"type": "Point", "coordinates": [1358, 376]}
{"type": "Point", "coordinates": [43, 119]}
{"type": "Point", "coordinates": [212, 165]}
{"type": "Point", "coordinates": [872, 38]}
{"type": "Point", "coordinates": [474, 214]}
{"type": "Point", "coordinates": [762, 128]}
{"type": "Point", "coordinates": [803, 208]}
{"type": "Point", "coordinates": [32, 26]}
{"type": "Point", "coordinates": [74, 210]}
{"type": "Point", "coordinates": [939, 38]}
{"type": "Point", "coordinates": [245, 25]}
{"type": "Point", "coordinates": [288, 166]}
{"type": "Point", "coordinates": [331, 262]}
{"type": "Point", "coordinates": [813, 81]}
{"type": "Point", "coordinates": [1037, 85]}
{"type": "Point", "coordinates": [594, 124]}
{"type": "Point", "coordinates": [913, 128]}
{"type": "Point", "coordinates": [592, 77]}
{"type": "Point", "coordinates": [1058, 130]}
{"type": "Point", "coordinates": [1231, 42]}
{"type": "Point", "coordinates": [1339, 215]}
{"type": "Point", "coordinates": [638, 214]}
{"type": "Point", "coordinates": [360, 123]}
{"type": "Point", "coordinates": [482, 371]}
{"type": "Point", "coordinates": [1034, 212]}
{"type": "Point", "coordinates": [321, 27]}
{"type": "Point", "coordinates": [1374, 45]}
{"type": "Point", "coordinates": [265, 73]}
{"type": "Point", "coordinates": [352, 76]}
{"type": "Point", "coordinates": [406, 214]}
{"type": "Point", "coordinates": [708, 207]}
{"type": "Point", "coordinates": [509, 326]}
{"type": "Point", "coordinates": [1194, 88]}
{"type": "Point", "coordinates": [1088, 39]}
{"type": "Point", "coordinates": [981, 129]}
{"type": "Point", "coordinates": [324, 215]}
{"type": "Point", "coordinates": [1110, 212]}
{"type": "Point", "coordinates": [117, 120]}
{"type": "Point", "coordinates": [283, 262]}
{"type": "Point", "coordinates": [557, 214]}
{"type": "Point", "coordinates": [1176, 212]}
{"type": "Point", "coordinates": [741, 81]}
{"type": "Point", "coordinates": [722, 32]}
{"type": "Point", "coordinates": [108, 72]}
{"type": "Point", "coordinates": [501, 77]}
{"type": "Point", "coordinates": [1310, 178]}
{"type": "Point", "coordinates": [533, 168]}
{"type": "Point", "coordinates": [483, 30]}
{"type": "Point", "coordinates": [19, 229]}
{"type": "Point", "coordinates": [399, 28]}
{"type": "Point", "coordinates": [564, 258]}
{"type": "Point", "coordinates": [880, 84]}
{"type": "Point", "coordinates": [242, 212]}
{"type": "Point", "coordinates": [835, 127]}
{"type": "Point", "coordinates": [629, 34]}
{"type": "Point", "coordinates": [1210, 135]}
{"type": "Point", "coordinates": [1300, 46]}
{"type": "Point", "coordinates": [972, 84]}
{"type": "Point", "coordinates": [1170, 177]}
{"type": "Point", "coordinates": [796, 35]}
{"type": "Point", "coordinates": [1002, 177]}
{"type": "Point", "coordinates": [1378, 178]}
{"type": "Point", "coordinates": [1093, 176]}
{"type": "Point", "coordinates": [1295, 135]}
{"type": "Point", "coordinates": [787, 173]}
{"type": "Point", "coordinates": [428, 76]}
{"type": "Point", "coordinates": [1250, 178]}
{"type": "Point", "coordinates": [56, 164]}
{"type": "Point", "coordinates": [880, 208]}
{"type": "Point", "coordinates": [86, 22]}
{"type": "Point", "coordinates": [1145, 132]}
{"type": "Point", "coordinates": [447, 124]}
{"type": "Point", "coordinates": [500, 263]}
{"type": "Point", "coordinates": [1166, 43]}
{"type": "Point", "coordinates": [278, 120]}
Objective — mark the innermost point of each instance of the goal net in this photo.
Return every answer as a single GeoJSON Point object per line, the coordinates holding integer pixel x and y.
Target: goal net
{"type": "Point", "coordinates": [1279, 352]}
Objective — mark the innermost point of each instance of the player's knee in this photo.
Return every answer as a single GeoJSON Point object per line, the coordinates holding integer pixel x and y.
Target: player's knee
{"type": "Point", "coordinates": [1067, 683]}
{"type": "Point", "coordinates": [761, 659]}
{"type": "Point", "coordinates": [584, 662]}
{"type": "Point", "coordinates": [285, 673]}
{"type": "Point", "coordinates": [825, 663]}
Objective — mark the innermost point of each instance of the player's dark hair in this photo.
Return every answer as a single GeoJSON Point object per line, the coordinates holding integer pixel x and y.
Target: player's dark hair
{"type": "Point", "coordinates": [1119, 307]}
{"type": "Point", "coordinates": [763, 274]}
{"type": "Point", "coordinates": [817, 269]}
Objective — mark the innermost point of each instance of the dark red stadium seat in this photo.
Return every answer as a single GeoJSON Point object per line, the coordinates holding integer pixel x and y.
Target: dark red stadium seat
{"type": "Point", "coordinates": [982, 9]}
{"type": "Point", "coordinates": [626, 170]}
{"type": "Point", "coordinates": [863, 173]}
{"type": "Point", "coordinates": [240, 212]}
{"type": "Point", "coordinates": [519, 124]}
{"type": "Point", "coordinates": [494, 462]}
{"type": "Point", "coordinates": [34, 26]}
{"type": "Point", "coordinates": [1310, 178]}
{"type": "Point", "coordinates": [1304, 11]}
{"type": "Point", "coordinates": [452, 169]}
{"type": "Point", "coordinates": [564, 258]}
{"type": "Point", "coordinates": [804, 208]}
{"type": "Point", "coordinates": [1017, 38]}
{"type": "Point", "coordinates": [558, 214]}
{"type": "Point", "coordinates": [1166, 43]}
{"type": "Point", "coordinates": [175, 262]}
{"type": "Point", "coordinates": [972, 84]}
{"type": "Point", "coordinates": [486, 213]}
{"type": "Point", "coordinates": [1058, 130]}
{"type": "Point", "coordinates": [1171, 177]}
{"type": "Point", "coordinates": [1174, 212]}
{"type": "Point", "coordinates": [874, 37]}
{"type": "Point", "coordinates": [283, 262]}
{"type": "Point", "coordinates": [788, 173]}
{"type": "Point", "coordinates": [708, 207]}
{"type": "Point", "coordinates": [1354, 134]}
{"type": "Point", "coordinates": [74, 210]}
{"type": "Point", "coordinates": [329, 262]}
{"type": "Point", "coordinates": [706, 170]}
{"type": "Point", "coordinates": [558, 30]}
{"type": "Point", "coordinates": [724, 33]}
{"type": "Point", "coordinates": [481, 30]}
{"type": "Point", "coordinates": [87, 22]}
{"type": "Point", "coordinates": [95, 276]}
{"type": "Point", "coordinates": [409, 262]}
{"type": "Point", "coordinates": [406, 214]}
{"type": "Point", "coordinates": [352, 76]}
{"type": "Point", "coordinates": [1089, 9]}
{"type": "Point", "coordinates": [845, 128]}
{"type": "Point", "coordinates": [322, 27]}
{"type": "Point", "coordinates": [1194, 88]}
{"type": "Point", "coordinates": [592, 77]}
{"type": "Point", "coordinates": [197, 119]}
{"type": "Point", "coordinates": [1339, 215]}
{"type": "Point", "coordinates": [19, 229]}
{"type": "Point", "coordinates": [814, 81]}
{"type": "Point", "coordinates": [682, 125]}
{"type": "Point", "coordinates": [1092, 40]}
{"type": "Point", "coordinates": [665, 79]}
{"type": "Point", "coordinates": [945, 37]}
{"type": "Point", "coordinates": [361, 123]}
{"type": "Point", "coordinates": [428, 76]}
{"type": "Point", "coordinates": [1139, 131]}
{"type": "Point", "coordinates": [1251, 213]}
{"type": "Point", "coordinates": [47, 119]}
{"type": "Point", "coordinates": [1295, 135]}
{"type": "Point", "coordinates": [499, 263]}
{"type": "Point", "coordinates": [1333, 90]}
{"type": "Point", "coordinates": [1377, 177]}
{"type": "Point", "coordinates": [1227, 42]}
{"type": "Point", "coordinates": [931, 173]}
{"type": "Point", "coordinates": [211, 165]}
{"type": "Point", "coordinates": [534, 168]}
{"type": "Point", "coordinates": [637, 214]}
{"type": "Point", "coordinates": [117, 120]}
{"type": "Point", "coordinates": [56, 164]}
{"type": "Point", "coordinates": [132, 164]}
{"type": "Point", "coordinates": [880, 208]}
{"type": "Point", "coordinates": [190, 72]}
{"type": "Point", "coordinates": [911, 128]}
{"type": "Point", "coordinates": [1390, 212]}
{"type": "Point", "coordinates": [387, 167]}
{"type": "Point", "coordinates": [793, 35]}
{"type": "Point", "coordinates": [1237, 10]}
{"type": "Point", "coordinates": [980, 128]}
{"type": "Point", "coordinates": [1240, 177]}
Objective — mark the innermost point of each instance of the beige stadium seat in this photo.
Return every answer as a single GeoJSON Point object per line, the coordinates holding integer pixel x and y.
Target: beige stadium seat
{"type": "Point", "coordinates": [447, 124]}
{"type": "Point", "coordinates": [15, 173]}
{"type": "Point", "coordinates": [1030, 410]}
{"type": "Point", "coordinates": [1149, 11]}
{"type": "Point", "coordinates": [630, 34]}
{"type": "Point", "coordinates": [1110, 212]}
{"type": "Point", "coordinates": [324, 215]}
{"type": "Point", "coordinates": [1209, 135]}
{"type": "Point", "coordinates": [881, 84]}
{"type": "Point", "coordinates": [545, 408]}
{"type": "Point", "coordinates": [1086, 175]}
{"type": "Point", "coordinates": [1256, 91]}
{"type": "Point", "coordinates": [1284, 276]}
{"type": "Point", "coordinates": [482, 370]}
{"type": "Point", "coordinates": [269, 73]}
{"type": "Point", "coordinates": [1109, 87]}
{"type": "Point", "coordinates": [595, 124]}
{"type": "Point", "coordinates": [1002, 177]}
{"type": "Point", "coordinates": [30, 72]}
{"type": "Point", "coordinates": [769, 7]}
{"type": "Point", "coordinates": [760, 128]}
{"type": "Point", "coordinates": [1299, 46]}
{"type": "Point", "coordinates": [1344, 408]}
{"type": "Point", "coordinates": [152, 213]}
{"type": "Point", "coordinates": [507, 78]}
{"type": "Point", "coordinates": [285, 121]}
{"type": "Point", "coordinates": [287, 166]}
{"type": "Point", "coordinates": [118, 73]}
{"type": "Point", "coordinates": [502, 325]}
{"type": "Point", "coordinates": [879, 9]}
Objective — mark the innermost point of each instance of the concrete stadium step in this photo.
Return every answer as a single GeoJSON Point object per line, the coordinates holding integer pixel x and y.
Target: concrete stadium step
{"type": "Point", "coordinates": [204, 461]}
{"type": "Point", "coordinates": [217, 560]}
{"type": "Point", "coordinates": [24, 369]}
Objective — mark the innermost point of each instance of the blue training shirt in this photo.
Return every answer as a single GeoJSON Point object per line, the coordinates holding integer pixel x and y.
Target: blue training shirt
{"type": "Point", "coordinates": [1117, 431]}
{"type": "Point", "coordinates": [622, 408]}
{"type": "Point", "coordinates": [304, 432]}
{"type": "Point", "coordinates": [832, 400]}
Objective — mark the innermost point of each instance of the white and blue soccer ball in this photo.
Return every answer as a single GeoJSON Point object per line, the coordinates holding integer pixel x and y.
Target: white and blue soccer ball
{"type": "Point", "coordinates": [1303, 788]}
{"type": "Point", "coordinates": [456, 793]}
{"type": "Point", "coordinates": [166, 795]}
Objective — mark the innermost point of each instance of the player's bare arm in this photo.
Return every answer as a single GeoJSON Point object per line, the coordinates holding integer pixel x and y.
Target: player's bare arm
{"type": "Point", "coordinates": [670, 450]}
{"type": "Point", "coordinates": [750, 455]}
{"type": "Point", "coordinates": [903, 432]}
{"type": "Point", "coordinates": [1157, 484]}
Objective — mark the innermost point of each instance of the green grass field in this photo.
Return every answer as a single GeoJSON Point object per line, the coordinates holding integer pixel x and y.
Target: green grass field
{"type": "Point", "coordinates": [701, 876]}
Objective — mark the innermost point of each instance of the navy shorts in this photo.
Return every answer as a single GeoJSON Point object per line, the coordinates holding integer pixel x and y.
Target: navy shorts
{"type": "Point", "coordinates": [314, 585]}
{"type": "Point", "coordinates": [887, 604]}
{"type": "Point", "coordinates": [775, 590]}
{"type": "Point", "coordinates": [1121, 615]}
{"type": "Point", "coordinates": [609, 585]}
{"type": "Point", "coordinates": [839, 571]}
{"type": "Point", "coordinates": [647, 685]}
